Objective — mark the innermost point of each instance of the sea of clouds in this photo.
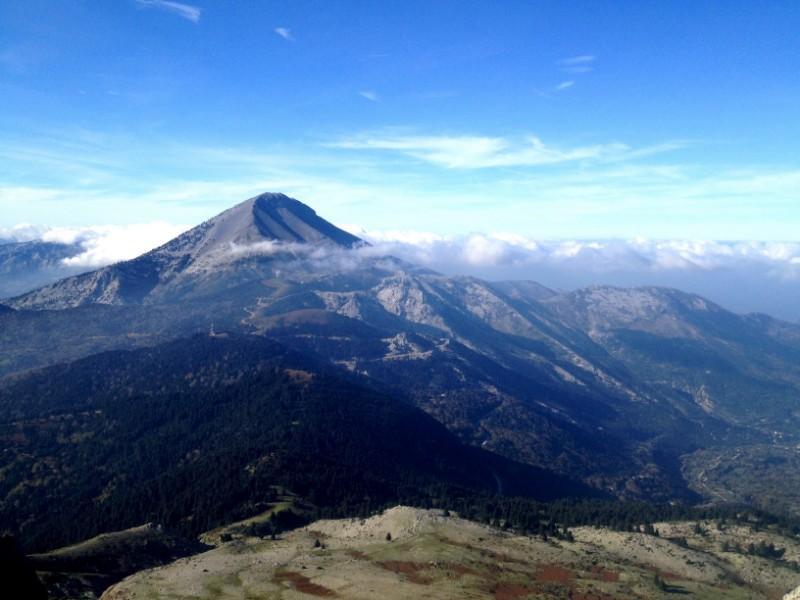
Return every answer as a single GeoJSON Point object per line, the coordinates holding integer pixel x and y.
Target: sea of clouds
{"type": "Point", "coordinates": [98, 245]}
{"type": "Point", "coordinates": [746, 276]}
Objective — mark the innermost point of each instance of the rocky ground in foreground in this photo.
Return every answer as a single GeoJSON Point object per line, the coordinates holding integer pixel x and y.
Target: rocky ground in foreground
{"type": "Point", "coordinates": [413, 553]}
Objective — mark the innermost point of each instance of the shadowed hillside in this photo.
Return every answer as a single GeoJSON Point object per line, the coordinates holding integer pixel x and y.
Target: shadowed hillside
{"type": "Point", "coordinates": [197, 432]}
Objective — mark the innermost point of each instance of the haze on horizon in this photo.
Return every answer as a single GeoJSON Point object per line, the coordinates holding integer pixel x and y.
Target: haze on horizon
{"type": "Point", "coordinates": [557, 141]}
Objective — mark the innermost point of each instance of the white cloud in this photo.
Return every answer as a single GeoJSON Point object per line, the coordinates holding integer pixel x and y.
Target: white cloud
{"type": "Point", "coordinates": [114, 243]}
{"type": "Point", "coordinates": [100, 245]}
{"type": "Point", "coordinates": [564, 85]}
{"type": "Point", "coordinates": [185, 11]}
{"type": "Point", "coordinates": [22, 232]}
{"type": "Point", "coordinates": [584, 59]}
{"type": "Point", "coordinates": [600, 256]}
{"type": "Point", "coordinates": [577, 64]}
{"type": "Point", "coordinates": [744, 275]}
{"type": "Point", "coordinates": [478, 152]}
{"type": "Point", "coordinates": [285, 33]}
{"type": "Point", "coordinates": [370, 95]}
{"type": "Point", "coordinates": [107, 244]}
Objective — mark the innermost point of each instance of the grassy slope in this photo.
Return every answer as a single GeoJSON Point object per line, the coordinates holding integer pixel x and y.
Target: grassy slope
{"type": "Point", "coordinates": [444, 557]}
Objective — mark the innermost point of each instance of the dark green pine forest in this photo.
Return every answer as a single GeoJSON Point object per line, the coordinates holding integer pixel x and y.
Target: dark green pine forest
{"type": "Point", "coordinates": [195, 433]}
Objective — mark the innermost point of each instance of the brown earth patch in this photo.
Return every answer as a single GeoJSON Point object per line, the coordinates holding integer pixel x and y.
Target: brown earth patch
{"type": "Point", "coordinates": [605, 575]}
{"type": "Point", "coordinates": [554, 574]}
{"type": "Point", "coordinates": [461, 570]}
{"type": "Point", "coordinates": [303, 584]}
{"type": "Point", "coordinates": [299, 375]}
{"type": "Point", "coordinates": [410, 569]}
{"type": "Point", "coordinates": [511, 591]}
{"type": "Point", "coordinates": [357, 554]}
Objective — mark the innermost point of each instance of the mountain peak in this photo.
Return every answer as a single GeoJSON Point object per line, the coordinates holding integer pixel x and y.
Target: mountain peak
{"type": "Point", "coordinates": [268, 217]}
{"type": "Point", "coordinates": [271, 217]}
{"type": "Point", "coordinates": [275, 200]}
{"type": "Point", "coordinates": [208, 251]}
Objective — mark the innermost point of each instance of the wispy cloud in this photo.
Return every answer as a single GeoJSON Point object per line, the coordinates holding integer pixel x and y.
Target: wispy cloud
{"type": "Point", "coordinates": [564, 85]}
{"type": "Point", "coordinates": [480, 152]}
{"type": "Point", "coordinates": [584, 59]}
{"type": "Point", "coordinates": [370, 95]}
{"type": "Point", "coordinates": [285, 33]}
{"type": "Point", "coordinates": [185, 11]}
{"type": "Point", "coordinates": [577, 64]}
{"type": "Point", "coordinates": [553, 188]}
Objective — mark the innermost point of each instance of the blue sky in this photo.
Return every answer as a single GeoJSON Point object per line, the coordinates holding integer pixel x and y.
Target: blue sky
{"type": "Point", "coordinates": [665, 120]}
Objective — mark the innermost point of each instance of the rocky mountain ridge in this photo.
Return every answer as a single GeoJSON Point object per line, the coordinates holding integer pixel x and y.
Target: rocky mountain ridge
{"type": "Point", "coordinates": [615, 386]}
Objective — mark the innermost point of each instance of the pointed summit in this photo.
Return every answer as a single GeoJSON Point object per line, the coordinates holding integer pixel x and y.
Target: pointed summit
{"type": "Point", "coordinates": [212, 250]}
{"type": "Point", "coordinates": [288, 219]}
{"type": "Point", "coordinates": [267, 217]}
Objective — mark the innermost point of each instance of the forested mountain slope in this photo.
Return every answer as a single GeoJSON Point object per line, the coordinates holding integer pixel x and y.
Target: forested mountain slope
{"type": "Point", "coordinates": [621, 388]}
{"type": "Point", "coordinates": [199, 432]}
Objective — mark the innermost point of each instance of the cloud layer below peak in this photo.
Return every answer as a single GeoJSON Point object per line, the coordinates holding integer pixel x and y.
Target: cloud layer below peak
{"type": "Point", "coordinates": [98, 245]}
{"type": "Point", "coordinates": [601, 256]}
{"type": "Point", "coordinates": [746, 276]}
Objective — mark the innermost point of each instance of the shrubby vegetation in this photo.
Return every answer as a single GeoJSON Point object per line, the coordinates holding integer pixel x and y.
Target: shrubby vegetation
{"type": "Point", "coordinates": [554, 519]}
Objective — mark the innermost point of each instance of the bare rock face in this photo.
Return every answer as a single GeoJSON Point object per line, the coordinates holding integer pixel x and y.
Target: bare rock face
{"type": "Point", "coordinates": [793, 595]}
{"type": "Point", "coordinates": [599, 309]}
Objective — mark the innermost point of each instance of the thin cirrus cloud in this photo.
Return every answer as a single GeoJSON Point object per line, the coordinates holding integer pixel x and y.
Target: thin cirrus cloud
{"type": "Point", "coordinates": [185, 11]}
{"type": "Point", "coordinates": [480, 152]}
{"type": "Point", "coordinates": [285, 33]}
{"type": "Point", "coordinates": [370, 95]}
{"type": "Point", "coordinates": [583, 59]}
{"type": "Point", "coordinates": [564, 85]}
{"type": "Point", "coordinates": [577, 64]}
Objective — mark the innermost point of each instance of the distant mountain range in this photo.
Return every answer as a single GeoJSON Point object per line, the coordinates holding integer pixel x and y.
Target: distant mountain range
{"type": "Point", "coordinates": [28, 265]}
{"type": "Point", "coordinates": [621, 389]}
